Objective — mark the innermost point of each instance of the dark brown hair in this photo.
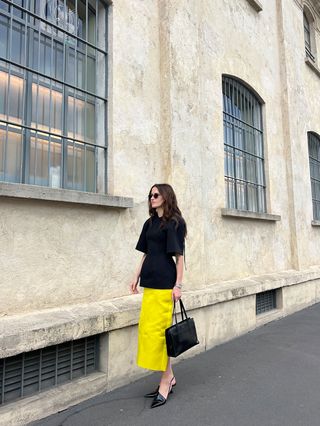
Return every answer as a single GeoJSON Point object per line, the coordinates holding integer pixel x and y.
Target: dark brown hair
{"type": "Point", "coordinates": [170, 205]}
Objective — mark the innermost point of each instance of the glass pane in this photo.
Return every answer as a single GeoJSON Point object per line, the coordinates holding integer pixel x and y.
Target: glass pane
{"type": "Point", "coordinates": [91, 75]}
{"type": "Point", "coordinates": [38, 174]}
{"type": "Point", "coordinates": [10, 155]}
{"type": "Point", "coordinates": [230, 193]}
{"type": "Point", "coordinates": [90, 169]}
{"type": "Point", "coordinates": [76, 118]}
{"type": "Point", "coordinates": [46, 109]}
{"type": "Point", "coordinates": [4, 36]}
{"type": "Point", "coordinates": [90, 122]}
{"type": "Point", "coordinates": [14, 105]}
{"type": "Point", "coordinates": [4, 6]}
{"type": "Point", "coordinates": [18, 53]}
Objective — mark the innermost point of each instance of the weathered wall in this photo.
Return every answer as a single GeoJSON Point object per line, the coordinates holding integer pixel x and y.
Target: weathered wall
{"type": "Point", "coordinates": [165, 123]}
{"type": "Point", "coordinates": [303, 87]}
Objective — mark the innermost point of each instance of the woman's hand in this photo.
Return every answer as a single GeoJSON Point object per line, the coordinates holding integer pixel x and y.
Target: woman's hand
{"type": "Point", "coordinates": [176, 294]}
{"type": "Point", "coordinates": [134, 285]}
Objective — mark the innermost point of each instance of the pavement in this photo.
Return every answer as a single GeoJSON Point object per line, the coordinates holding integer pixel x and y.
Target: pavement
{"type": "Point", "coordinates": [268, 377]}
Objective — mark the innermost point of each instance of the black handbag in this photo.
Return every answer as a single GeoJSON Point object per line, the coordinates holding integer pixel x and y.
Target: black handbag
{"type": "Point", "coordinates": [182, 335]}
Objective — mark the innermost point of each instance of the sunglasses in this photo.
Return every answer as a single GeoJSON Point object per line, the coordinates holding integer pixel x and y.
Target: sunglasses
{"type": "Point", "coordinates": [155, 195]}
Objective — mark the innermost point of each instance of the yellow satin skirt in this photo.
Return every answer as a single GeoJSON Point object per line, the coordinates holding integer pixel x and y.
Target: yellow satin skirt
{"type": "Point", "coordinates": [155, 317]}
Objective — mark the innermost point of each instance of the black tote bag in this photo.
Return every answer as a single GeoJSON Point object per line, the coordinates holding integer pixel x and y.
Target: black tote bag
{"type": "Point", "coordinates": [182, 335]}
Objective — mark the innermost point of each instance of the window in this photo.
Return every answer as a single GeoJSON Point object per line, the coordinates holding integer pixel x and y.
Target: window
{"type": "Point", "coordinates": [314, 162]}
{"type": "Point", "coordinates": [307, 36]}
{"type": "Point", "coordinates": [243, 148]}
{"type": "Point", "coordinates": [52, 106]}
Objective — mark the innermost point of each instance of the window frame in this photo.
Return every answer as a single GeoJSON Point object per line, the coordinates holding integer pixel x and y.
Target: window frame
{"type": "Point", "coordinates": [309, 34]}
{"type": "Point", "coordinates": [30, 74]}
{"type": "Point", "coordinates": [314, 163]}
{"type": "Point", "coordinates": [256, 199]}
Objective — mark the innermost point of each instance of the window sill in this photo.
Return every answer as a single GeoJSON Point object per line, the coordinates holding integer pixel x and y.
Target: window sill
{"type": "Point", "coordinates": [243, 214]}
{"type": "Point", "coordinates": [256, 5]}
{"type": "Point", "coordinates": [312, 65]}
{"type": "Point", "coordinates": [315, 222]}
{"type": "Point", "coordinates": [34, 192]}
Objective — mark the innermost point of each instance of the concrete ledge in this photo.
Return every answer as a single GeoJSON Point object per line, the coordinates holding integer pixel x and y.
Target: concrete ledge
{"type": "Point", "coordinates": [256, 5]}
{"type": "Point", "coordinates": [315, 222]}
{"type": "Point", "coordinates": [312, 65]}
{"type": "Point", "coordinates": [244, 214]}
{"type": "Point", "coordinates": [35, 330]}
{"type": "Point", "coordinates": [34, 192]}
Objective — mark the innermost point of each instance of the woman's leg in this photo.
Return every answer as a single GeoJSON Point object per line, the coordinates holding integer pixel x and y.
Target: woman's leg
{"type": "Point", "coordinates": [166, 380]}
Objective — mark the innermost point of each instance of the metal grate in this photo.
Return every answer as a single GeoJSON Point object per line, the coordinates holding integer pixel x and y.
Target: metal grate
{"type": "Point", "coordinates": [265, 301]}
{"type": "Point", "coordinates": [314, 162]}
{"type": "Point", "coordinates": [307, 37]}
{"type": "Point", "coordinates": [53, 71]}
{"type": "Point", "coordinates": [31, 372]}
{"type": "Point", "coordinates": [243, 148]}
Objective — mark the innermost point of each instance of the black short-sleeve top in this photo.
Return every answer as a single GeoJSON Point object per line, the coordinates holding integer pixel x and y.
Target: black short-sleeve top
{"type": "Point", "coordinates": [160, 244]}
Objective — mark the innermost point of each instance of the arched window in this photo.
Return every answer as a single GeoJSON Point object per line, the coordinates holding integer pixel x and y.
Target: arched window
{"type": "Point", "coordinates": [314, 162]}
{"type": "Point", "coordinates": [243, 147]}
{"type": "Point", "coordinates": [308, 36]}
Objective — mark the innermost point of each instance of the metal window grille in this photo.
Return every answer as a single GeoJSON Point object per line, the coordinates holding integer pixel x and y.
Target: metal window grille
{"type": "Point", "coordinates": [32, 372]}
{"type": "Point", "coordinates": [51, 101]}
{"type": "Point", "coordinates": [314, 163]}
{"type": "Point", "coordinates": [307, 37]}
{"type": "Point", "coordinates": [243, 148]}
{"type": "Point", "coordinates": [265, 301]}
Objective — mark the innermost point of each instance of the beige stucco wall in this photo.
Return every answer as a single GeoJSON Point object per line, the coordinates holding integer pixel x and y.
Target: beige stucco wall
{"type": "Point", "coordinates": [165, 124]}
{"type": "Point", "coordinates": [303, 86]}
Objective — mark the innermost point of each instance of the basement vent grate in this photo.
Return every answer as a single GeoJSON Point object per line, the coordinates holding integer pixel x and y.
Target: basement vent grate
{"type": "Point", "coordinates": [265, 301]}
{"type": "Point", "coordinates": [32, 372]}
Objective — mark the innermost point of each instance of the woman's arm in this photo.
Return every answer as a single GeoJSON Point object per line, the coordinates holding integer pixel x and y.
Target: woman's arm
{"type": "Point", "coordinates": [176, 292]}
{"type": "Point", "coordinates": [134, 282]}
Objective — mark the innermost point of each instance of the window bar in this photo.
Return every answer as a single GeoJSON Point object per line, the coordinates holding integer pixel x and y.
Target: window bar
{"type": "Point", "coordinates": [22, 375]}
{"type": "Point", "coordinates": [238, 119]}
{"type": "Point", "coordinates": [3, 379]}
{"type": "Point", "coordinates": [73, 165]}
{"type": "Point", "coordinates": [56, 367]}
{"type": "Point", "coordinates": [71, 360]}
{"type": "Point", "coordinates": [40, 370]}
{"type": "Point", "coordinates": [64, 117]}
{"type": "Point", "coordinates": [24, 100]}
{"type": "Point", "coordinates": [54, 134]}
{"type": "Point", "coordinates": [9, 50]}
{"type": "Point", "coordinates": [96, 28]}
{"type": "Point", "coordinates": [37, 108]}
{"type": "Point", "coordinates": [85, 355]}
{"type": "Point", "coordinates": [86, 96]}
{"type": "Point", "coordinates": [106, 79]}
{"type": "Point", "coordinates": [241, 150]}
{"type": "Point", "coordinates": [234, 169]}
{"type": "Point", "coordinates": [75, 115]}
{"type": "Point", "coordinates": [56, 80]}
{"type": "Point", "coordinates": [50, 112]}
{"type": "Point", "coordinates": [262, 161]}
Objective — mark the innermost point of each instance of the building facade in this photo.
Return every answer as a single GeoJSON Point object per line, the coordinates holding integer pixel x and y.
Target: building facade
{"type": "Point", "coordinates": [98, 101]}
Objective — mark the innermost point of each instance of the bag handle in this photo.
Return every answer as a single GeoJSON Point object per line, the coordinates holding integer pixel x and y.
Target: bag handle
{"type": "Point", "coordinates": [183, 311]}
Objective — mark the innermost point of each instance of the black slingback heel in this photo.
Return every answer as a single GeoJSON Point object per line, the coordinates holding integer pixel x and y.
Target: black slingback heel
{"type": "Point", "coordinates": [160, 399]}
{"type": "Point", "coordinates": [154, 393]}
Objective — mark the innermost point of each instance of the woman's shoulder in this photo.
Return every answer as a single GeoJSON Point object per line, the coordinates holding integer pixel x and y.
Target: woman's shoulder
{"type": "Point", "coordinates": [177, 222]}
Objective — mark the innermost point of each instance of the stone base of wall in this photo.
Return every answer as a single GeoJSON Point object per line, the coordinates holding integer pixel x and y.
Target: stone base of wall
{"type": "Point", "coordinates": [221, 311]}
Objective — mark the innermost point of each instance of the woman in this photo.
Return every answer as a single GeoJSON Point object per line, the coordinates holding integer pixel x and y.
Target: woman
{"type": "Point", "coordinates": [162, 237]}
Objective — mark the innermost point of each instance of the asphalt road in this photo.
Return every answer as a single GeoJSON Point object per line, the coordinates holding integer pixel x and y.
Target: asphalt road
{"type": "Point", "coordinates": [268, 377]}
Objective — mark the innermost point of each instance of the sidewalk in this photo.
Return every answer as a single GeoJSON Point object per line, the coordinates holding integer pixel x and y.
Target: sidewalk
{"type": "Point", "coordinates": [269, 377]}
